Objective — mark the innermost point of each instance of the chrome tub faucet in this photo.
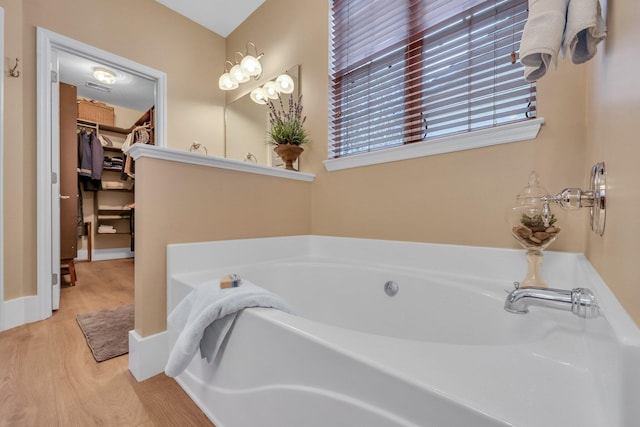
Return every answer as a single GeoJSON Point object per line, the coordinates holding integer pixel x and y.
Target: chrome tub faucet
{"type": "Point", "coordinates": [579, 301]}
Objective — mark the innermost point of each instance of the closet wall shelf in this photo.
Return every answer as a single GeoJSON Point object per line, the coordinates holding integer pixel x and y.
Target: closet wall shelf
{"type": "Point", "coordinates": [146, 118]}
{"type": "Point", "coordinates": [95, 125]}
{"type": "Point", "coordinates": [114, 214]}
{"type": "Point", "coordinates": [121, 190]}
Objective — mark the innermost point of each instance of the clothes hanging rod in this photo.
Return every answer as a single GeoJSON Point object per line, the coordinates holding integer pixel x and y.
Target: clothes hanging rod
{"type": "Point", "coordinates": [87, 123]}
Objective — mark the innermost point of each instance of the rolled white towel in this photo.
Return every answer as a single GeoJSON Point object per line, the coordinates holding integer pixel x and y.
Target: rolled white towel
{"type": "Point", "coordinates": [542, 36]}
{"type": "Point", "coordinates": [585, 29]}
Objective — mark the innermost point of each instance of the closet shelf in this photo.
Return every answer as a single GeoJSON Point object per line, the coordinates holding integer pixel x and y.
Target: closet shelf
{"type": "Point", "coordinates": [112, 149]}
{"type": "Point", "coordinates": [122, 190]}
{"type": "Point", "coordinates": [113, 215]}
{"type": "Point", "coordinates": [145, 118]}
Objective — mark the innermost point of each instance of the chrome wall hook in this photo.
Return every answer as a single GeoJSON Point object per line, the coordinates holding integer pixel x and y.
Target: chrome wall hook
{"type": "Point", "coordinates": [13, 72]}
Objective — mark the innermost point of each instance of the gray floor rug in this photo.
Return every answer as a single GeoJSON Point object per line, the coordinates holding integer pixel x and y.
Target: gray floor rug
{"type": "Point", "coordinates": [107, 331]}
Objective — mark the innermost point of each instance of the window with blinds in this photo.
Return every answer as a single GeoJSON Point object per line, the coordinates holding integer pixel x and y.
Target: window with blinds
{"type": "Point", "coordinates": [404, 71]}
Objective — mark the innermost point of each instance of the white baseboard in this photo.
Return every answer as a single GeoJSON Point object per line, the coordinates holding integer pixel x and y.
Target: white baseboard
{"type": "Point", "coordinates": [105, 254]}
{"type": "Point", "coordinates": [148, 356]}
{"type": "Point", "coordinates": [19, 311]}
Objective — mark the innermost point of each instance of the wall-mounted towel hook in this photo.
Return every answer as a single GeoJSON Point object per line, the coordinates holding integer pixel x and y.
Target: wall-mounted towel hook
{"type": "Point", "coordinates": [195, 146]}
{"type": "Point", "coordinates": [12, 70]}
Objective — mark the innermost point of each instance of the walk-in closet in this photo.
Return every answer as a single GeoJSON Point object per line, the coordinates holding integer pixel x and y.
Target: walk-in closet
{"type": "Point", "coordinates": [97, 177]}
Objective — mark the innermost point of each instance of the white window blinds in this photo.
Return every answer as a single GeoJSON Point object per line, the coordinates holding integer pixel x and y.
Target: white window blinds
{"type": "Point", "coordinates": [404, 71]}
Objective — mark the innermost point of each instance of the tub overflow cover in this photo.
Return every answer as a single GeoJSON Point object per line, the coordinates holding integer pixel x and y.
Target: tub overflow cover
{"type": "Point", "coordinates": [391, 288]}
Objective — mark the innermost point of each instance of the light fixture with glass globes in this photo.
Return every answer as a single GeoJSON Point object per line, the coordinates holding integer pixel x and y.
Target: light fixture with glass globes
{"type": "Point", "coordinates": [271, 89]}
{"type": "Point", "coordinates": [240, 72]}
{"type": "Point", "coordinates": [104, 76]}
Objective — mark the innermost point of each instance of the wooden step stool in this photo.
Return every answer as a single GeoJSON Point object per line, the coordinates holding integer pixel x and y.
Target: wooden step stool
{"type": "Point", "coordinates": [67, 267]}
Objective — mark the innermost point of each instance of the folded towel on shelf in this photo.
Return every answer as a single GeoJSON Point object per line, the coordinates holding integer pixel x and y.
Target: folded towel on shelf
{"type": "Point", "coordinates": [117, 185]}
{"type": "Point", "coordinates": [106, 229]}
{"type": "Point", "coordinates": [205, 316]}
{"type": "Point", "coordinates": [542, 36]}
{"type": "Point", "coordinates": [106, 207]}
{"type": "Point", "coordinates": [585, 29]}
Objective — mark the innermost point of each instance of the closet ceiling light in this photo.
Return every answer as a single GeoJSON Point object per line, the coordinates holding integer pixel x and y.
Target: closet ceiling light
{"type": "Point", "coordinates": [104, 76]}
{"type": "Point", "coordinates": [284, 83]}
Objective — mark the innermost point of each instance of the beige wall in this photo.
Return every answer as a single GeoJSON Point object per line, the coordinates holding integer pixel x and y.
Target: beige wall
{"type": "Point", "coordinates": [19, 274]}
{"type": "Point", "coordinates": [178, 203]}
{"type": "Point", "coordinates": [143, 31]}
{"type": "Point", "coordinates": [614, 109]}
{"type": "Point", "coordinates": [461, 198]}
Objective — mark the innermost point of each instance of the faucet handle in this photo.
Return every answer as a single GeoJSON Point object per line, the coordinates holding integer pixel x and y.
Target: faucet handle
{"type": "Point", "coordinates": [516, 285]}
{"type": "Point", "coordinates": [584, 303]}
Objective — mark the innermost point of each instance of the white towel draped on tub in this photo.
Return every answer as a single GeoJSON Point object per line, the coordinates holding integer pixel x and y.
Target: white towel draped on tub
{"type": "Point", "coordinates": [205, 316]}
{"type": "Point", "coordinates": [576, 26]}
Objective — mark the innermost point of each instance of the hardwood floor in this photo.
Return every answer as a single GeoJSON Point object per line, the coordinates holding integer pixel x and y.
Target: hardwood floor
{"type": "Point", "coordinates": [48, 376]}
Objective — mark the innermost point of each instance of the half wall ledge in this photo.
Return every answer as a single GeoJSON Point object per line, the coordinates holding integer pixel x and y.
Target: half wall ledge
{"type": "Point", "coordinates": [137, 151]}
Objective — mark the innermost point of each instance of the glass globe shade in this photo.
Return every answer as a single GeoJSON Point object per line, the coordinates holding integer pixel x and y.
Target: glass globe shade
{"type": "Point", "coordinates": [104, 76]}
{"type": "Point", "coordinates": [271, 90]}
{"type": "Point", "coordinates": [258, 96]}
{"type": "Point", "coordinates": [238, 74]}
{"type": "Point", "coordinates": [284, 82]}
{"type": "Point", "coordinates": [226, 82]}
{"type": "Point", "coordinates": [251, 66]}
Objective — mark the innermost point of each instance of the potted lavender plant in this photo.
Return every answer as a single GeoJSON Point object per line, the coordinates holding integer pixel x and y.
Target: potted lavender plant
{"type": "Point", "coordinates": [287, 130]}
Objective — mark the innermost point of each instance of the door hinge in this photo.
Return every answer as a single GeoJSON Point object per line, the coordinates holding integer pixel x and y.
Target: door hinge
{"type": "Point", "coordinates": [54, 178]}
{"type": "Point", "coordinates": [54, 279]}
{"type": "Point", "coordinates": [54, 76]}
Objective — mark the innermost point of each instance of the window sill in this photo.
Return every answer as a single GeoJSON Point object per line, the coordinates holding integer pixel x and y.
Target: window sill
{"type": "Point", "coordinates": [505, 134]}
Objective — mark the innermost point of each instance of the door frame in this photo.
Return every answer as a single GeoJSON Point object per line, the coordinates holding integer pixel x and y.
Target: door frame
{"type": "Point", "coordinates": [48, 233]}
{"type": "Point", "coordinates": [2, 303]}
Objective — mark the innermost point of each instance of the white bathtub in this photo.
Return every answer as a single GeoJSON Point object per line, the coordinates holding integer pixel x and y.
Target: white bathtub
{"type": "Point", "coordinates": [442, 352]}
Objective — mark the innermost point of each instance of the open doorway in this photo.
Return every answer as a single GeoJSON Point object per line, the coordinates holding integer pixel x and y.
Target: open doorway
{"type": "Point", "coordinates": [52, 49]}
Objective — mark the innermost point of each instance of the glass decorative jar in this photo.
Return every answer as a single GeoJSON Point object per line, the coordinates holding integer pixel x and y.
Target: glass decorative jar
{"type": "Point", "coordinates": [534, 226]}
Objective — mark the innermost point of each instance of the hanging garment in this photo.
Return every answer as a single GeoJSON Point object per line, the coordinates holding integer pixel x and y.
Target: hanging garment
{"type": "Point", "coordinates": [139, 135]}
{"type": "Point", "coordinates": [90, 160]}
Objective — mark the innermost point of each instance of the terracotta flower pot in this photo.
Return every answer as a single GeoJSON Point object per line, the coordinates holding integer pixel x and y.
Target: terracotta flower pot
{"type": "Point", "coordinates": [289, 153]}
